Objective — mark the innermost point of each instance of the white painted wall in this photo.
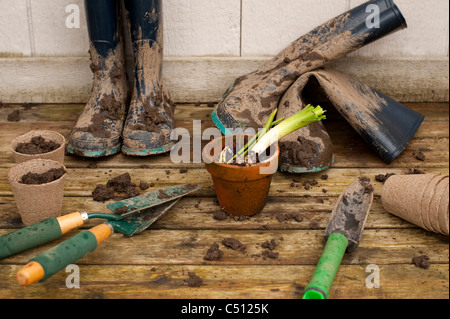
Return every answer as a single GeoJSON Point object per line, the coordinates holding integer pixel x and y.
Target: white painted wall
{"type": "Point", "coordinates": [238, 28]}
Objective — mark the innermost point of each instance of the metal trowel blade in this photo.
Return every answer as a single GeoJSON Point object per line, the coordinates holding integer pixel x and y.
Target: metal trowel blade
{"type": "Point", "coordinates": [154, 198]}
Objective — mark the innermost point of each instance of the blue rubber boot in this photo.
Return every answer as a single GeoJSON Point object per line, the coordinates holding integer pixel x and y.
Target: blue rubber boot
{"type": "Point", "coordinates": [98, 130]}
{"type": "Point", "coordinates": [150, 116]}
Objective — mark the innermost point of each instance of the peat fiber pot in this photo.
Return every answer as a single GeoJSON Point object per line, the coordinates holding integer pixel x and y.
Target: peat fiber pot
{"type": "Point", "coordinates": [241, 190]}
{"type": "Point", "coordinates": [52, 147]}
{"type": "Point", "coordinates": [43, 199]}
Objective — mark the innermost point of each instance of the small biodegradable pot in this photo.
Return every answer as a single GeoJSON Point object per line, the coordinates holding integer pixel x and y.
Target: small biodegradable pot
{"type": "Point", "coordinates": [241, 190]}
{"type": "Point", "coordinates": [37, 203]}
{"type": "Point", "coordinates": [419, 199]}
{"type": "Point", "coordinates": [56, 155]}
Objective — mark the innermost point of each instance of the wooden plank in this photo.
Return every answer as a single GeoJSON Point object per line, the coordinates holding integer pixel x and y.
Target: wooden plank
{"type": "Point", "coordinates": [204, 79]}
{"type": "Point", "coordinates": [81, 182]}
{"type": "Point", "coordinates": [155, 264]}
{"type": "Point", "coordinates": [350, 150]}
{"type": "Point", "coordinates": [348, 153]}
{"type": "Point", "coordinates": [56, 113]}
{"type": "Point", "coordinates": [295, 247]}
{"type": "Point", "coordinates": [198, 214]}
{"type": "Point", "coordinates": [63, 117]}
{"type": "Point", "coordinates": [229, 282]}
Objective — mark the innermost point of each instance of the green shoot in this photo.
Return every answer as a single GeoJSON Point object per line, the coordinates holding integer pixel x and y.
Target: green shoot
{"type": "Point", "coordinates": [269, 124]}
{"type": "Point", "coordinates": [307, 116]}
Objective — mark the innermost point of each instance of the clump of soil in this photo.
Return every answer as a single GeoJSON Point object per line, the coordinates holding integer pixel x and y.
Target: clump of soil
{"type": "Point", "coordinates": [416, 171]}
{"type": "Point", "coordinates": [367, 184]}
{"type": "Point", "coordinates": [270, 254]}
{"type": "Point", "coordinates": [232, 243]}
{"type": "Point", "coordinates": [308, 184]}
{"type": "Point", "coordinates": [37, 145]}
{"type": "Point", "coordinates": [220, 215]}
{"type": "Point", "coordinates": [44, 178]}
{"type": "Point", "coordinates": [289, 216]}
{"type": "Point", "coordinates": [144, 186]}
{"type": "Point", "coordinates": [421, 156]}
{"type": "Point", "coordinates": [122, 185]}
{"type": "Point", "coordinates": [163, 195]}
{"type": "Point", "coordinates": [383, 178]}
{"type": "Point", "coordinates": [214, 253]}
{"type": "Point", "coordinates": [102, 193]}
{"type": "Point", "coordinates": [269, 247]}
{"type": "Point", "coordinates": [269, 244]}
{"type": "Point", "coordinates": [122, 210]}
{"type": "Point", "coordinates": [193, 280]}
{"type": "Point", "coordinates": [422, 262]}
{"type": "Point", "coordinates": [14, 116]}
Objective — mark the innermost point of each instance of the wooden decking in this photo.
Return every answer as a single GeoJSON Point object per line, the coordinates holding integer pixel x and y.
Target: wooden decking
{"type": "Point", "coordinates": [156, 263]}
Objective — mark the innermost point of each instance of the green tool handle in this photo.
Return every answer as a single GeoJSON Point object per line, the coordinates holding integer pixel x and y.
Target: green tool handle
{"type": "Point", "coordinates": [58, 258]}
{"type": "Point", "coordinates": [39, 234]}
{"type": "Point", "coordinates": [327, 268]}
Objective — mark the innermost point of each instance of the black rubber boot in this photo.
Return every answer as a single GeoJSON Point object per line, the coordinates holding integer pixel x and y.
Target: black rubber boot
{"type": "Point", "coordinates": [384, 124]}
{"type": "Point", "coordinates": [253, 97]}
{"type": "Point", "coordinates": [150, 116]}
{"type": "Point", "coordinates": [98, 130]}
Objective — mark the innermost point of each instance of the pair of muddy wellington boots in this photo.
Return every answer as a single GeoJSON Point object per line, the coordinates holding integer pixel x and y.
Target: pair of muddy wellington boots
{"type": "Point", "coordinates": [283, 83]}
{"type": "Point", "coordinates": [113, 121]}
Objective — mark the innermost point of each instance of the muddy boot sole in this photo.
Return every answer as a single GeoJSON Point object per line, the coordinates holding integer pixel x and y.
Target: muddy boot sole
{"type": "Point", "coordinates": [93, 152]}
{"type": "Point", "coordinates": [147, 152]}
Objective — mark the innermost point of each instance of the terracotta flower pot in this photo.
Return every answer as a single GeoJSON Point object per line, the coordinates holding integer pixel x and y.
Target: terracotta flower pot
{"type": "Point", "coordinates": [55, 155]}
{"type": "Point", "coordinates": [36, 203]}
{"type": "Point", "coordinates": [241, 190]}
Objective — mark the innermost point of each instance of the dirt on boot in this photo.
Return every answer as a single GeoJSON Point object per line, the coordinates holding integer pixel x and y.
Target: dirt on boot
{"type": "Point", "coordinates": [100, 125]}
{"type": "Point", "coordinates": [311, 146]}
{"type": "Point", "coordinates": [109, 109]}
{"type": "Point", "coordinates": [151, 115]}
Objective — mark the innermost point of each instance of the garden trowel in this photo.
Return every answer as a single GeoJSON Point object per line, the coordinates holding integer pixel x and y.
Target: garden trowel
{"type": "Point", "coordinates": [145, 210]}
{"type": "Point", "coordinates": [343, 234]}
{"type": "Point", "coordinates": [49, 230]}
{"type": "Point", "coordinates": [139, 213]}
